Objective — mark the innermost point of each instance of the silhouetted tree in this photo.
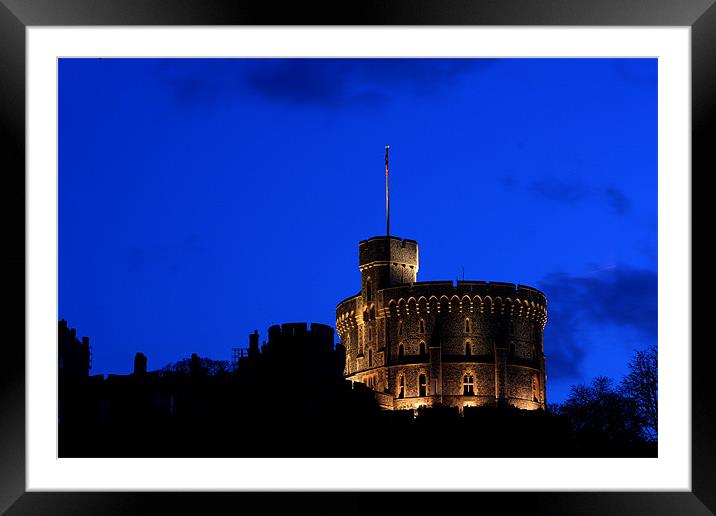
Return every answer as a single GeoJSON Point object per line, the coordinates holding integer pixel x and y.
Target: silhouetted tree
{"type": "Point", "coordinates": [641, 385]}
{"type": "Point", "coordinates": [601, 414]}
{"type": "Point", "coordinates": [197, 366]}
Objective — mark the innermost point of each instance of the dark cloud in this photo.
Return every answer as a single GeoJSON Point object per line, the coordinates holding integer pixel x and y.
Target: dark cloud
{"type": "Point", "coordinates": [570, 192]}
{"type": "Point", "coordinates": [338, 82]}
{"type": "Point", "coordinates": [618, 202]}
{"type": "Point", "coordinates": [300, 82]}
{"type": "Point", "coordinates": [618, 297]}
{"type": "Point", "coordinates": [329, 83]}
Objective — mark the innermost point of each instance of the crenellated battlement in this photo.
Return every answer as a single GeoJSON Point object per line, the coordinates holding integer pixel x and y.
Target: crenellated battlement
{"type": "Point", "coordinates": [488, 305]}
{"type": "Point", "coordinates": [470, 296]}
{"type": "Point", "coordinates": [299, 329]}
{"type": "Point", "coordinates": [482, 288]}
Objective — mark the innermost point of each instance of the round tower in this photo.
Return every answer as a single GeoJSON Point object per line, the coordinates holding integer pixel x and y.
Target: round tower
{"type": "Point", "coordinates": [437, 343]}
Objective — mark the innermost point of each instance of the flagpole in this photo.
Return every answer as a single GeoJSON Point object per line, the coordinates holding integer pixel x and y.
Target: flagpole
{"type": "Point", "coordinates": [387, 194]}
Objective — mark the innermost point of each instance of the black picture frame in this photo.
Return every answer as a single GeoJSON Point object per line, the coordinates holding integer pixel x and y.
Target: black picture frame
{"type": "Point", "coordinates": [17, 15]}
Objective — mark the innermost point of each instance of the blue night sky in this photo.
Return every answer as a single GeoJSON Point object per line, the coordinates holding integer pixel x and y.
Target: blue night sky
{"type": "Point", "coordinates": [200, 199]}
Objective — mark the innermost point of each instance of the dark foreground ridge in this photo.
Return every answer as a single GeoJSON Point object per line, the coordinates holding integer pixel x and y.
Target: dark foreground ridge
{"type": "Point", "coordinates": [288, 398]}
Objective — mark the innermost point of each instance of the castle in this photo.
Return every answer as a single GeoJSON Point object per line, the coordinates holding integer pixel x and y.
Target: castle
{"type": "Point", "coordinates": [434, 343]}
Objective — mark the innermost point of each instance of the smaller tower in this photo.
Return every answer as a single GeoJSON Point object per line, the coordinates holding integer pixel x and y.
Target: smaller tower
{"type": "Point", "coordinates": [387, 262]}
{"type": "Point", "coordinates": [254, 344]}
{"type": "Point", "coordinates": [140, 364]}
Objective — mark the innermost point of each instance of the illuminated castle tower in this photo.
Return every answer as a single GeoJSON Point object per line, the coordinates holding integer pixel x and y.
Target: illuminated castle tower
{"type": "Point", "coordinates": [437, 343]}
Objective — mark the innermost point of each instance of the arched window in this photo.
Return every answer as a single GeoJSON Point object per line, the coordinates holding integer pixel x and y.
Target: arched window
{"type": "Point", "coordinates": [369, 290]}
{"type": "Point", "coordinates": [370, 358]}
{"type": "Point", "coordinates": [422, 385]}
{"type": "Point", "coordinates": [468, 348]}
{"type": "Point", "coordinates": [401, 386]}
{"type": "Point", "coordinates": [421, 326]}
{"type": "Point", "coordinates": [422, 348]}
{"type": "Point", "coordinates": [400, 327]}
{"type": "Point", "coordinates": [468, 326]}
{"type": "Point", "coordinates": [468, 385]}
{"type": "Point", "coordinates": [401, 351]}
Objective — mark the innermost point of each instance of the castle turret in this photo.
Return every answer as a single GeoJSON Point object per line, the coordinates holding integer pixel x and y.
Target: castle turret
{"type": "Point", "coordinates": [386, 262]}
{"type": "Point", "coordinates": [140, 364]}
{"type": "Point", "coordinates": [254, 344]}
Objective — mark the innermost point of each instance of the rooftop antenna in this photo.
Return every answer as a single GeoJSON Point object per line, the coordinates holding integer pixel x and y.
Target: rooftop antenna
{"type": "Point", "coordinates": [387, 194]}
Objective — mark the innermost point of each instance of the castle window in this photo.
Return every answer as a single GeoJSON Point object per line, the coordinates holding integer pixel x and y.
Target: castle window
{"type": "Point", "coordinates": [369, 290]}
{"type": "Point", "coordinates": [468, 348]}
{"type": "Point", "coordinates": [401, 351]}
{"type": "Point", "coordinates": [468, 385]}
{"type": "Point", "coordinates": [422, 385]}
{"type": "Point", "coordinates": [422, 348]}
{"type": "Point", "coordinates": [370, 334]}
{"type": "Point", "coordinates": [468, 326]}
{"type": "Point", "coordinates": [370, 358]}
{"type": "Point", "coordinates": [372, 313]}
{"type": "Point", "coordinates": [400, 327]}
{"type": "Point", "coordinates": [401, 386]}
{"type": "Point", "coordinates": [535, 389]}
{"type": "Point", "coordinates": [421, 326]}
